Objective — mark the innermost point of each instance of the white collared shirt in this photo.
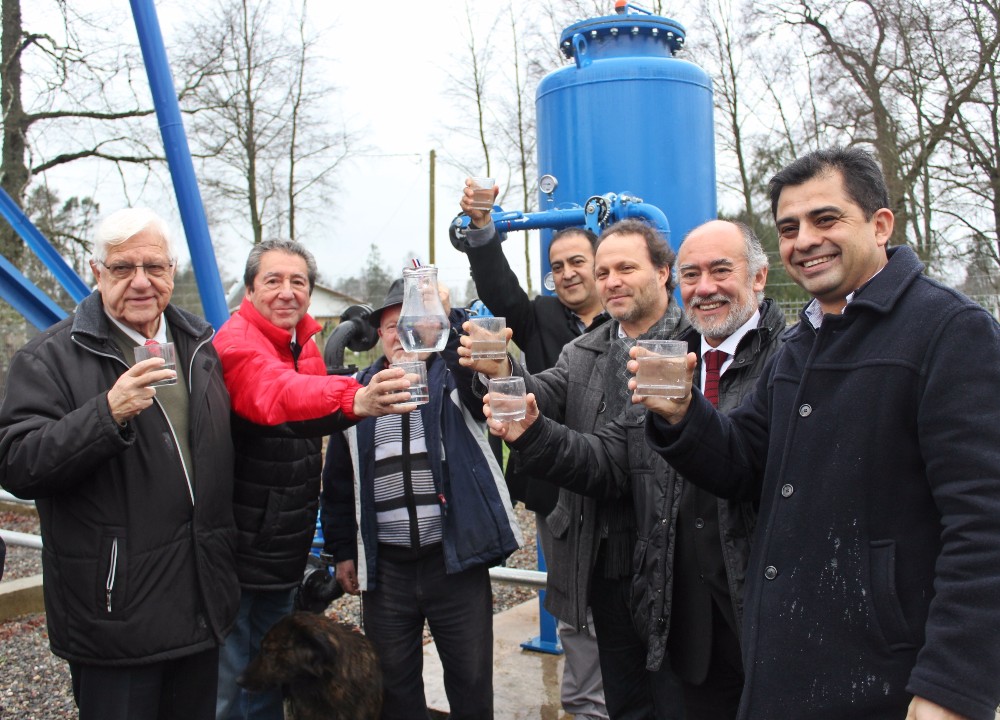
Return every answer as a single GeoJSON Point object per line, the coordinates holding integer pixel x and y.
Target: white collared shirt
{"type": "Point", "coordinates": [728, 345]}
{"type": "Point", "coordinates": [160, 336]}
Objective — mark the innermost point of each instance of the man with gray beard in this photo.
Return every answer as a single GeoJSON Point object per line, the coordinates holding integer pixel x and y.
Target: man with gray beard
{"type": "Point", "coordinates": [689, 567]}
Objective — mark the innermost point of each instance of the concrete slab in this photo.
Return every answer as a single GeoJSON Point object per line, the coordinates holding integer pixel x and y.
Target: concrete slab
{"type": "Point", "coordinates": [525, 683]}
{"type": "Point", "coordinates": [21, 597]}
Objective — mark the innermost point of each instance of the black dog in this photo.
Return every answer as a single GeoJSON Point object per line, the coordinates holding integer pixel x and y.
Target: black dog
{"type": "Point", "coordinates": [326, 670]}
{"type": "Point", "coordinates": [318, 587]}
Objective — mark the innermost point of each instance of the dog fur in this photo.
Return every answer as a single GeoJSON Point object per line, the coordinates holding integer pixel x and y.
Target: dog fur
{"type": "Point", "coordinates": [326, 670]}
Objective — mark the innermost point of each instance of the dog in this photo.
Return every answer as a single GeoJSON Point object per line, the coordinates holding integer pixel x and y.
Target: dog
{"type": "Point", "coordinates": [325, 669]}
{"type": "Point", "coordinates": [318, 587]}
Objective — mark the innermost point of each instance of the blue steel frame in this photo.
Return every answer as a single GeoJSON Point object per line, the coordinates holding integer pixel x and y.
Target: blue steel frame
{"type": "Point", "coordinates": [35, 305]}
{"type": "Point", "coordinates": [178, 154]}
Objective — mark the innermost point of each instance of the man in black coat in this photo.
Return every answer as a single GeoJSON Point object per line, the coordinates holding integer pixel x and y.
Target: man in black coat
{"type": "Point", "coordinates": [542, 326]}
{"type": "Point", "coordinates": [872, 446]}
{"type": "Point", "coordinates": [133, 485]}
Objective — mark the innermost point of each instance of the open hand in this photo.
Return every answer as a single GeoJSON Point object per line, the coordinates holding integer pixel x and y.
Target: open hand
{"type": "Point", "coordinates": [673, 411]}
{"type": "Point", "coordinates": [489, 368]}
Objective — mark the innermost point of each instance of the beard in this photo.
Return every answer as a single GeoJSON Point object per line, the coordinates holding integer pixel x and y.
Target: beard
{"type": "Point", "coordinates": [645, 304]}
{"type": "Point", "coordinates": [721, 328]}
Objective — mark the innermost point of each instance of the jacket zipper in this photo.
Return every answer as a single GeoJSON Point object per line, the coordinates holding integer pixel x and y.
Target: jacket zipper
{"type": "Point", "coordinates": [109, 584]}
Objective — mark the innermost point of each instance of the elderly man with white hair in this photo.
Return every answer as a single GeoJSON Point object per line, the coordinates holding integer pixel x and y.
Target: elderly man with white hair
{"type": "Point", "coordinates": [133, 485]}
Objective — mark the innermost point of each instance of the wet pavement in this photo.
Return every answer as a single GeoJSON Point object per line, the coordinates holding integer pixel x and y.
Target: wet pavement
{"type": "Point", "coordinates": [525, 683]}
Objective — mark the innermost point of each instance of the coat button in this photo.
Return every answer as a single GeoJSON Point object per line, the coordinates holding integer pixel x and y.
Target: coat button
{"type": "Point", "coordinates": [602, 407]}
{"type": "Point", "coordinates": [699, 523]}
{"type": "Point", "coordinates": [770, 572]}
{"type": "Point", "coordinates": [787, 490]}
{"type": "Point", "coordinates": [805, 410]}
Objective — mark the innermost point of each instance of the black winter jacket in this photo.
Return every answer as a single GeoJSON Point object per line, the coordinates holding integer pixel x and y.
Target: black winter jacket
{"type": "Point", "coordinates": [134, 571]}
{"type": "Point", "coordinates": [542, 326]}
{"type": "Point", "coordinates": [617, 460]}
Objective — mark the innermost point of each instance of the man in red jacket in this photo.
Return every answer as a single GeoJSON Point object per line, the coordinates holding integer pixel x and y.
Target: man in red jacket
{"type": "Point", "coordinates": [283, 403]}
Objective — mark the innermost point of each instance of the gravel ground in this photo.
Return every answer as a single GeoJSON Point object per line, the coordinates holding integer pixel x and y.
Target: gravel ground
{"type": "Point", "coordinates": [35, 684]}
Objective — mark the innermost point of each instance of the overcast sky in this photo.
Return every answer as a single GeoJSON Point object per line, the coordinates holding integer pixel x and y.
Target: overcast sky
{"type": "Point", "coordinates": [389, 62]}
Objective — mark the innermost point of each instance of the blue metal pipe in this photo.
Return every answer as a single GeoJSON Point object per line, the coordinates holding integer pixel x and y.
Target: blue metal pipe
{"type": "Point", "coordinates": [650, 213]}
{"type": "Point", "coordinates": [59, 268]}
{"type": "Point", "coordinates": [596, 214]}
{"type": "Point", "coordinates": [25, 297]}
{"type": "Point", "coordinates": [178, 154]}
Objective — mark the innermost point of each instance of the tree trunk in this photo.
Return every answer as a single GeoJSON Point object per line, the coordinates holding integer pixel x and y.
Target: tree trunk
{"type": "Point", "coordinates": [13, 168]}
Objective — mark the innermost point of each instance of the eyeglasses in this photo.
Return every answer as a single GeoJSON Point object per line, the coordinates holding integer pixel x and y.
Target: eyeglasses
{"type": "Point", "coordinates": [125, 271]}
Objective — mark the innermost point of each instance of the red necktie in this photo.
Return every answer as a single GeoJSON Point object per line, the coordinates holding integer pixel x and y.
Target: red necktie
{"type": "Point", "coordinates": [151, 341]}
{"type": "Point", "coordinates": [713, 363]}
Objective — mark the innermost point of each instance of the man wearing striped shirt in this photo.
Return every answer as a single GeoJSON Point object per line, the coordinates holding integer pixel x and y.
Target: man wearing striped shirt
{"type": "Point", "coordinates": [415, 510]}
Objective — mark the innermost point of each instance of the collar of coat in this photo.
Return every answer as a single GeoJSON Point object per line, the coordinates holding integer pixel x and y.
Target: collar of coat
{"type": "Point", "coordinates": [883, 291]}
{"type": "Point", "coordinates": [90, 320]}
{"type": "Point", "coordinates": [279, 337]}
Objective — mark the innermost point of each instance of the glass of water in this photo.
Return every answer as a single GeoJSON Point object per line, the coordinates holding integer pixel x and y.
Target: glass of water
{"type": "Point", "coordinates": [507, 401]}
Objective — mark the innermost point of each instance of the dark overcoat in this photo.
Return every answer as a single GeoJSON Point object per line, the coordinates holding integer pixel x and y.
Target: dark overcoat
{"type": "Point", "coordinates": [874, 447]}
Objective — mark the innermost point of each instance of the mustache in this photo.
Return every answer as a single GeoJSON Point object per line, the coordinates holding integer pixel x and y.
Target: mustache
{"type": "Point", "coordinates": [717, 297]}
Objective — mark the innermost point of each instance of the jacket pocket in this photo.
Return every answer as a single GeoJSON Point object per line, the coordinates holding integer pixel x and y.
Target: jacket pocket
{"type": "Point", "coordinates": [888, 611]}
{"type": "Point", "coordinates": [112, 575]}
{"type": "Point", "coordinates": [558, 521]}
{"type": "Point", "coordinates": [269, 522]}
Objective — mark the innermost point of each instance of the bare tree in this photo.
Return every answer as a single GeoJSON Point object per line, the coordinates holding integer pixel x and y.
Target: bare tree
{"type": "Point", "coordinates": [884, 88]}
{"type": "Point", "coordinates": [68, 225]}
{"type": "Point", "coordinates": [255, 101]}
{"type": "Point", "coordinates": [80, 99]}
{"type": "Point", "coordinates": [970, 171]}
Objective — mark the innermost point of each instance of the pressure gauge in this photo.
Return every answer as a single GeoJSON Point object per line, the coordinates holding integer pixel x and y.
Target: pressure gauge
{"type": "Point", "coordinates": [548, 184]}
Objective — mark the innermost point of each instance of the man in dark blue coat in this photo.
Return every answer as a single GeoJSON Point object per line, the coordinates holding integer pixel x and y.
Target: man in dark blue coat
{"type": "Point", "coordinates": [415, 511]}
{"type": "Point", "coordinates": [872, 445]}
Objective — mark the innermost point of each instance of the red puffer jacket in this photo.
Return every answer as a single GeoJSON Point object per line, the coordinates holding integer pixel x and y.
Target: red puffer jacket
{"type": "Point", "coordinates": [282, 408]}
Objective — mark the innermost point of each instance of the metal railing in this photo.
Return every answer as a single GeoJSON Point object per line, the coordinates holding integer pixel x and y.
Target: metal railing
{"type": "Point", "coordinates": [12, 538]}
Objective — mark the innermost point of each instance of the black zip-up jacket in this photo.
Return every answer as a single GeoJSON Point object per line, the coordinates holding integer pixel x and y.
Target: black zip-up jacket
{"type": "Point", "coordinates": [135, 570]}
{"type": "Point", "coordinates": [542, 326]}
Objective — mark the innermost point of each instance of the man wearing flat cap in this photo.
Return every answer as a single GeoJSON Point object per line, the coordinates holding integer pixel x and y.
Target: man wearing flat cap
{"type": "Point", "coordinates": [434, 515]}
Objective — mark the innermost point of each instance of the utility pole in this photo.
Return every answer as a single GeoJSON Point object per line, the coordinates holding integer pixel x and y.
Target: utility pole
{"type": "Point", "coordinates": [430, 240]}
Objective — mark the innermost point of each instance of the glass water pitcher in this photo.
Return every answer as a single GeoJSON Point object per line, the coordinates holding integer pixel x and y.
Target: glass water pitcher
{"type": "Point", "coordinates": [423, 325]}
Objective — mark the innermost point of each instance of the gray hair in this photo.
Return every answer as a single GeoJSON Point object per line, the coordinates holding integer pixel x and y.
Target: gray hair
{"type": "Point", "coordinates": [755, 256]}
{"type": "Point", "coordinates": [286, 246]}
{"type": "Point", "coordinates": [119, 226]}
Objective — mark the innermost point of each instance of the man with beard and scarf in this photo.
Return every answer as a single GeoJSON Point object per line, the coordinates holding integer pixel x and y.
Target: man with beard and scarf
{"type": "Point", "coordinates": [585, 390]}
{"type": "Point", "coordinates": [693, 549]}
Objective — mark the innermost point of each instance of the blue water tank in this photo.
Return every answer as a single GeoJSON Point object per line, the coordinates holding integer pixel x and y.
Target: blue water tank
{"type": "Point", "coordinates": [628, 117]}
